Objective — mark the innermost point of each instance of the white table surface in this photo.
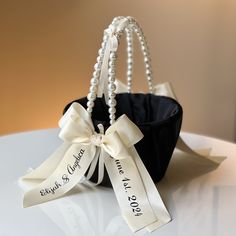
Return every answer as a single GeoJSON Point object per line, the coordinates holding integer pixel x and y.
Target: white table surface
{"type": "Point", "coordinates": [201, 200]}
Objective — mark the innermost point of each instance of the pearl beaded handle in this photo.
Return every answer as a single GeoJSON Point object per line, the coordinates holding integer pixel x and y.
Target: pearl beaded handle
{"type": "Point", "coordinates": [145, 50]}
{"type": "Point", "coordinates": [131, 26]}
{"type": "Point", "coordinates": [129, 30]}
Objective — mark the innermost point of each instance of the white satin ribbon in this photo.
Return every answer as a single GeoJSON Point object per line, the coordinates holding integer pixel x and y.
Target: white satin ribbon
{"type": "Point", "coordinates": [111, 46]}
{"type": "Point", "coordinates": [165, 89]}
{"type": "Point", "coordinates": [140, 203]}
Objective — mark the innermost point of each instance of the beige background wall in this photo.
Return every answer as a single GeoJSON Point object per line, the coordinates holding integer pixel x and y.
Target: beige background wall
{"type": "Point", "coordinates": [48, 48]}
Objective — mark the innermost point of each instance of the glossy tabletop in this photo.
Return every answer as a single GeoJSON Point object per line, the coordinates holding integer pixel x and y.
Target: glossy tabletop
{"type": "Point", "coordinates": [201, 199]}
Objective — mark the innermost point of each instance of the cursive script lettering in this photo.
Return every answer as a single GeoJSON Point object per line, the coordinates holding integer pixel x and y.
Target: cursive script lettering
{"type": "Point", "coordinates": [72, 168]}
{"type": "Point", "coordinates": [49, 190]}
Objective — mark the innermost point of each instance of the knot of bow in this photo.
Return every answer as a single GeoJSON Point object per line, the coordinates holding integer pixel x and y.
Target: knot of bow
{"type": "Point", "coordinates": [112, 32]}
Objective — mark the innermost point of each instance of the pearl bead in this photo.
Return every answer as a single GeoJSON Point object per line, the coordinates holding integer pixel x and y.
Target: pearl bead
{"type": "Point", "coordinates": [129, 67]}
{"type": "Point", "coordinates": [111, 86]}
{"type": "Point", "coordinates": [112, 55]}
{"type": "Point", "coordinates": [100, 51]}
{"type": "Point", "coordinates": [105, 37]}
{"type": "Point", "coordinates": [141, 40]}
{"type": "Point", "coordinates": [91, 96]}
{"type": "Point", "coordinates": [144, 49]}
{"type": "Point", "coordinates": [148, 72]}
{"type": "Point", "coordinates": [130, 55]}
{"type": "Point", "coordinates": [111, 79]}
{"type": "Point", "coordinates": [111, 63]}
{"type": "Point", "coordinates": [146, 59]}
{"type": "Point", "coordinates": [98, 58]}
{"type": "Point", "coordinates": [129, 73]}
{"type": "Point", "coordinates": [130, 61]}
{"type": "Point", "coordinates": [112, 117]}
{"type": "Point", "coordinates": [89, 109]}
{"type": "Point", "coordinates": [93, 89]}
{"type": "Point", "coordinates": [112, 110]}
{"type": "Point", "coordinates": [150, 82]}
{"type": "Point", "coordinates": [129, 50]}
{"type": "Point", "coordinates": [129, 40]}
{"type": "Point", "coordinates": [103, 44]}
{"type": "Point", "coordinates": [145, 53]}
{"type": "Point", "coordinates": [139, 33]}
{"type": "Point", "coordinates": [111, 71]}
{"type": "Point", "coordinates": [97, 66]}
{"type": "Point", "coordinates": [112, 102]}
{"type": "Point", "coordinates": [129, 34]}
{"type": "Point", "coordinates": [94, 81]}
{"type": "Point", "coordinates": [90, 103]}
{"type": "Point", "coordinates": [112, 95]}
{"type": "Point", "coordinates": [96, 74]}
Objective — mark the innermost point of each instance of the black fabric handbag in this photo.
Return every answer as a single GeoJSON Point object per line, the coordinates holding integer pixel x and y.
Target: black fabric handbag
{"type": "Point", "coordinates": [158, 117]}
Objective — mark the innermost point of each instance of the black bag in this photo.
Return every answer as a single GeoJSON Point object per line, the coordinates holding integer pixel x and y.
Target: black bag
{"type": "Point", "coordinates": [158, 117]}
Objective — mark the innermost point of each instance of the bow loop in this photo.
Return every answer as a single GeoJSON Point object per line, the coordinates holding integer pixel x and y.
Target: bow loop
{"type": "Point", "coordinates": [76, 125]}
{"type": "Point", "coordinates": [128, 132]}
{"type": "Point", "coordinates": [114, 146]}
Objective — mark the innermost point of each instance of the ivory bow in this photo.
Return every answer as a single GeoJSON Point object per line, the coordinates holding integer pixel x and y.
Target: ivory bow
{"type": "Point", "coordinates": [78, 131]}
{"type": "Point", "coordinates": [77, 127]}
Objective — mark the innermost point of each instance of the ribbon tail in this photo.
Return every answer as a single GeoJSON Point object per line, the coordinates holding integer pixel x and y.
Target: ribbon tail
{"type": "Point", "coordinates": [165, 89]}
{"type": "Point", "coordinates": [203, 155]}
{"type": "Point", "coordinates": [160, 211]}
{"type": "Point", "coordinates": [68, 173]}
{"type": "Point", "coordinates": [99, 159]}
{"type": "Point", "coordinates": [93, 165]}
{"type": "Point", "coordinates": [130, 192]}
